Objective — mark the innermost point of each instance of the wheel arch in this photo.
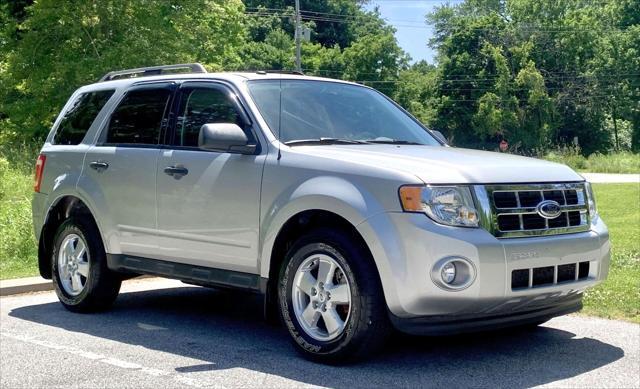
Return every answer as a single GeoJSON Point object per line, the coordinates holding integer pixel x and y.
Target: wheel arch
{"type": "Point", "coordinates": [294, 228]}
{"type": "Point", "coordinates": [60, 210]}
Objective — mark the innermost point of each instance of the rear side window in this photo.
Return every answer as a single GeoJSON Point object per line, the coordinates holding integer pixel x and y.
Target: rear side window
{"type": "Point", "coordinates": [76, 120]}
{"type": "Point", "coordinates": [138, 118]}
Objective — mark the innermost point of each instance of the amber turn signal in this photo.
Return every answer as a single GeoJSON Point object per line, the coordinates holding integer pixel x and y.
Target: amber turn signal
{"type": "Point", "coordinates": [411, 198]}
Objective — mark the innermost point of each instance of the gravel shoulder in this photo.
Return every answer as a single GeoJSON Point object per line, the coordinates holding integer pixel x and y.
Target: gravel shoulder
{"type": "Point", "coordinates": [164, 334]}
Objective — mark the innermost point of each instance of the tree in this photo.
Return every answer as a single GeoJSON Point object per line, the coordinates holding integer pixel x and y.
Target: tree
{"type": "Point", "coordinates": [65, 44]}
{"type": "Point", "coordinates": [49, 47]}
{"type": "Point", "coordinates": [538, 72]}
{"type": "Point", "coordinates": [416, 91]}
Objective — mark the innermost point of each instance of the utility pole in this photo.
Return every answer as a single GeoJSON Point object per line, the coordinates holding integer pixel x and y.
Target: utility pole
{"type": "Point", "coordinates": [297, 37]}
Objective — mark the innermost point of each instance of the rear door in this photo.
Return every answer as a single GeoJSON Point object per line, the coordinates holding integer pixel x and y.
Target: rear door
{"type": "Point", "coordinates": [122, 169]}
{"type": "Point", "coordinates": [209, 215]}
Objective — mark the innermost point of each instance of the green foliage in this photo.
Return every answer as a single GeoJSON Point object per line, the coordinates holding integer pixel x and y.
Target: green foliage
{"type": "Point", "coordinates": [622, 162]}
{"type": "Point", "coordinates": [326, 33]}
{"type": "Point", "coordinates": [62, 45]}
{"type": "Point", "coordinates": [618, 296]}
{"type": "Point", "coordinates": [18, 250]}
{"type": "Point", "coordinates": [570, 156]}
{"type": "Point", "coordinates": [536, 73]}
{"type": "Point", "coordinates": [51, 47]}
{"type": "Point", "coordinates": [416, 91]}
{"type": "Point", "coordinates": [539, 73]}
{"type": "Point", "coordinates": [375, 58]}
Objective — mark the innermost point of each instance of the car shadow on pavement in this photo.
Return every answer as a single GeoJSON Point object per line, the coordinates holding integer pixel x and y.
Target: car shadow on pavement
{"type": "Point", "coordinates": [225, 330]}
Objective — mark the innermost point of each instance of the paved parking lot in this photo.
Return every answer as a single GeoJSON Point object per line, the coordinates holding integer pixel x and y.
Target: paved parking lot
{"type": "Point", "coordinates": [163, 334]}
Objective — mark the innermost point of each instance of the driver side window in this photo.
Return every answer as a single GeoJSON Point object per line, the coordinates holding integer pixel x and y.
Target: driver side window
{"type": "Point", "coordinates": [199, 106]}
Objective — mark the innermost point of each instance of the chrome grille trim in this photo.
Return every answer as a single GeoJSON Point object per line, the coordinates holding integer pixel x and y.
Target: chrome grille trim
{"type": "Point", "coordinates": [490, 214]}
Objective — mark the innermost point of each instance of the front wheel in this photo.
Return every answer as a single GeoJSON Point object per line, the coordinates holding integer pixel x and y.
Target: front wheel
{"type": "Point", "coordinates": [331, 300]}
{"type": "Point", "coordinates": [82, 280]}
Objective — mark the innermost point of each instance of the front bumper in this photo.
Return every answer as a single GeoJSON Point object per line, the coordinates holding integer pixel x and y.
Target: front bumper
{"type": "Point", "coordinates": [406, 246]}
{"type": "Point", "coordinates": [447, 325]}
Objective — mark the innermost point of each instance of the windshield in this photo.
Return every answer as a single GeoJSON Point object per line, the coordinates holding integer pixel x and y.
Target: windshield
{"type": "Point", "coordinates": [303, 110]}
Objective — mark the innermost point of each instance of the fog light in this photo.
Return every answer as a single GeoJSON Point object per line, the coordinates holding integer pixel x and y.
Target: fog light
{"type": "Point", "coordinates": [448, 272]}
{"type": "Point", "coordinates": [453, 273]}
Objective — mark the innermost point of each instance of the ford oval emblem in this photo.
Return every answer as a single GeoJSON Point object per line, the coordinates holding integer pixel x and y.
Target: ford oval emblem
{"type": "Point", "coordinates": [549, 209]}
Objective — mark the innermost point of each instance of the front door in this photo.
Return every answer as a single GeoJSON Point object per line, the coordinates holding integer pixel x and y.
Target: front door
{"type": "Point", "coordinates": [208, 201]}
{"type": "Point", "coordinates": [122, 170]}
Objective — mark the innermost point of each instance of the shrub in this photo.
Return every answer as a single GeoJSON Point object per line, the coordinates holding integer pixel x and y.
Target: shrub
{"type": "Point", "coordinates": [568, 155]}
{"type": "Point", "coordinates": [621, 162]}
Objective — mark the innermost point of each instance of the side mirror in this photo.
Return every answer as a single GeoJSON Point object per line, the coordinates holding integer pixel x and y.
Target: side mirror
{"type": "Point", "coordinates": [226, 137]}
{"type": "Point", "coordinates": [440, 136]}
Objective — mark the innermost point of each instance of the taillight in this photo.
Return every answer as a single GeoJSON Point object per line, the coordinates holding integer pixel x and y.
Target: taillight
{"type": "Point", "coordinates": [39, 170]}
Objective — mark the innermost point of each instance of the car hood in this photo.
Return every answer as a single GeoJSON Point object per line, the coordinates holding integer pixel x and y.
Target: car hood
{"type": "Point", "coordinates": [449, 165]}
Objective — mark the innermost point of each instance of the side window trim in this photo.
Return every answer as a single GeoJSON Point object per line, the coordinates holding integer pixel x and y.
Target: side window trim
{"type": "Point", "coordinates": [171, 85]}
{"type": "Point", "coordinates": [216, 85]}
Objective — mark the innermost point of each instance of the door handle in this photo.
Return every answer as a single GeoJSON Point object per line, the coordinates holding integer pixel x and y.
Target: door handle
{"type": "Point", "coordinates": [100, 166]}
{"type": "Point", "coordinates": [176, 171]}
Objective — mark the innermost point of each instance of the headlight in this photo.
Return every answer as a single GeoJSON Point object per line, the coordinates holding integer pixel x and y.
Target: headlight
{"type": "Point", "coordinates": [591, 201]}
{"type": "Point", "coordinates": [450, 205]}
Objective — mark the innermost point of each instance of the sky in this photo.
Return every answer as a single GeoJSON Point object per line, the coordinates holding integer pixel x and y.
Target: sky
{"type": "Point", "coordinates": [408, 17]}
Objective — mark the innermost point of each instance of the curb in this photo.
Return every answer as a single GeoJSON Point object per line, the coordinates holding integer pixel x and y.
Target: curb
{"type": "Point", "coordinates": [34, 284]}
{"type": "Point", "coordinates": [24, 285]}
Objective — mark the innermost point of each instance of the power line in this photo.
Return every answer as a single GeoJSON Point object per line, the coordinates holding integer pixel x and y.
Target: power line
{"type": "Point", "coordinates": [343, 18]}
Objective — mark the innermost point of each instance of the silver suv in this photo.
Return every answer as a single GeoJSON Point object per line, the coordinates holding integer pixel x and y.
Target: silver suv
{"type": "Point", "coordinates": [347, 214]}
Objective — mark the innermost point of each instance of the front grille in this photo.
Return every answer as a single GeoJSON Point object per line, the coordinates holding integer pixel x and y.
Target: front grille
{"type": "Point", "coordinates": [549, 275]}
{"type": "Point", "coordinates": [514, 209]}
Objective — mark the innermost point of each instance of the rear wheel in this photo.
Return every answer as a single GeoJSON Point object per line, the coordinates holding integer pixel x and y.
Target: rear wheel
{"type": "Point", "coordinates": [331, 300]}
{"type": "Point", "coordinates": [82, 280]}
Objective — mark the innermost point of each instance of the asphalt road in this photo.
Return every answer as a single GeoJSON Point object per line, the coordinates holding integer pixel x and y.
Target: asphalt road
{"type": "Point", "coordinates": [162, 334]}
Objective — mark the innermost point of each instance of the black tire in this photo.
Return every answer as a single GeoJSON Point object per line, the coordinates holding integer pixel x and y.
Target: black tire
{"type": "Point", "coordinates": [102, 285]}
{"type": "Point", "coordinates": [367, 327]}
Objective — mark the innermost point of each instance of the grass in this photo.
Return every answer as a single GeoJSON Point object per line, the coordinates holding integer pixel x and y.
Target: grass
{"type": "Point", "coordinates": [621, 162]}
{"type": "Point", "coordinates": [619, 296]}
{"type": "Point", "coordinates": [18, 250]}
{"type": "Point", "coordinates": [619, 205]}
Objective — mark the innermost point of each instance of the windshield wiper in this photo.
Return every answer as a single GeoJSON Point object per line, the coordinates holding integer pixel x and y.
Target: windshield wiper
{"type": "Point", "coordinates": [394, 142]}
{"type": "Point", "coordinates": [324, 141]}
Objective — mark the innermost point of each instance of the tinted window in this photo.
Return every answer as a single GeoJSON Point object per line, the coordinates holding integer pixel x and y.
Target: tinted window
{"type": "Point", "coordinates": [201, 106]}
{"type": "Point", "coordinates": [77, 119]}
{"type": "Point", "coordinates": [299, 110]}
{"type": "Point", "coordinates": [138, 118]}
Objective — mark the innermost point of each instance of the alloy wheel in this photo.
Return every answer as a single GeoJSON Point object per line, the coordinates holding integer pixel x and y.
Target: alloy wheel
{"type": "Point", "coordinates": [321, 297]}
{"type": "Point", "coordinates": [73, 264]}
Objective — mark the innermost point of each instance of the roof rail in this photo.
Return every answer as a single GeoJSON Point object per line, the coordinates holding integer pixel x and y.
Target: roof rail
{"type": "Point", "coordinates": [151, 71]}
{"type": "Point", "coordinates": [280, 72]}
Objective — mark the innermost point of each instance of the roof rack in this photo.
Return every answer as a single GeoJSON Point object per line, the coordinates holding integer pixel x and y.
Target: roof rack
{"type": "Point", "coordinates": [152, 71]}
